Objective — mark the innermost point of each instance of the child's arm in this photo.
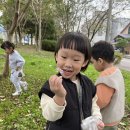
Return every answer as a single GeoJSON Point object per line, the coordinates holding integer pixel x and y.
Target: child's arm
{"type": "Point", "coordinates": [93, 122]}
{"type": "Point", "coordinates": [57, 88]}
{"type": "Point", "coordinates": [95, 108]}
{"type": "Point", "coordinates": [20, 62]}
{"type": "Point", "coordinates": [50, 110]}
{"type": "Point", "coordinates": [104, 94]}
{"type": "Point", "coordinates": [96, 112]}
{"type": "Point", "coordinates": [53, 108]}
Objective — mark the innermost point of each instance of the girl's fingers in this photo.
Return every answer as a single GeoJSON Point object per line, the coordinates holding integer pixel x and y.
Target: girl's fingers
{"type": "Point", "coordinates": [55, 81]}
{"type": "Point", "coordinates": [59, 81]}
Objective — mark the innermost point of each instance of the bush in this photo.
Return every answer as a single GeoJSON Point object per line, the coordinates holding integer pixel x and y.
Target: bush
{"type": "Point", "coordinates": [48, 45]}
{"type": "Point", "coordinates": [121, 44]}
{"type": "Point", "coordinates": [118, 57]}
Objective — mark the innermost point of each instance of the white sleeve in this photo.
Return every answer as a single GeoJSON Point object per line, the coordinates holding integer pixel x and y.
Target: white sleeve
{"type": "Point", "coordinates": [20, 61]}
{"type": "Point", "coordinates": [50, 110]}
{"type": "Point", "coordinates": [95, 108]}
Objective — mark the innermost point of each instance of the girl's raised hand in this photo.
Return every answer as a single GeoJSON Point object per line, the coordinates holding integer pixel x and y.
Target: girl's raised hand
{"type": "Point", "coordinates": [56, 86]}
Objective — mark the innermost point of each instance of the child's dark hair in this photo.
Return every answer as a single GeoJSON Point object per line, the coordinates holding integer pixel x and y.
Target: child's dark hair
{"type": "Point", "coordinates": [75, 41]}
{"type": "Point", "coordinates": [7, 44]}
{"type": "Point", "coordinates": [104, 50]}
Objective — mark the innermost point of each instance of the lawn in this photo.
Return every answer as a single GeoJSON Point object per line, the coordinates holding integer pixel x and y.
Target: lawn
{"type": "Point", "coordinates": [23, 112]}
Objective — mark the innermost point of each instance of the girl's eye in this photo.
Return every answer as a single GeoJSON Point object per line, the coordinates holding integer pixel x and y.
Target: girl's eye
{"type": "Point", "coordinates": [76, 60]}
{"type": "Point", "coordinates": [63, 57]}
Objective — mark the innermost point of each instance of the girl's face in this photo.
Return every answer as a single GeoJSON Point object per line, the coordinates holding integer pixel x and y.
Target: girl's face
{"type": "Point", "coordinates": [9, 50]}
{"type": "Point", "coordinates": [70, 62]}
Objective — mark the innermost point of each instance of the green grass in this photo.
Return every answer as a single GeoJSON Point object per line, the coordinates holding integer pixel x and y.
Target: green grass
{"type": "Point", "coordinates": [23, 112]}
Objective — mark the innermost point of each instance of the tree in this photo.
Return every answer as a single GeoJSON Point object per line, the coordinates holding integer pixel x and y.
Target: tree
{"type": "Point", "coordinates": [41, 11]}
{"type": "Point", "coordinates": [12, 20]}
{"type": "Point", "coordinates": [6, 67]}
{"type": "Point", "coordinates": [91, 26]}
{"type": "Point", "coordinates": [48, 29]}
{"type": "Point", "coordinates": [29, 28]}
{"type": "Point", "coordinates": [109, 15]}
{"type": "Point", "coordinates": [69, 14]}
{"type": "Point", "coordinates": [97, 14]}
{"type": "Point", "coordinates": [121, 43]}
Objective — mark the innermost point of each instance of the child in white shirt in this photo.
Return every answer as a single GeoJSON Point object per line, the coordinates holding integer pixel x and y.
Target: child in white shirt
{"type": "Point", "coordinates": [68, 99]}
{"type": "Point", "coordinates": [16, 63]}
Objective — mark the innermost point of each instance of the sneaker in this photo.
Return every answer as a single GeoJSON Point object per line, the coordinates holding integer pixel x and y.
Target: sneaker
{"type": "Point", "coordinates": [25, 86]}
{"type": "Point", "coordinates": [16, 93]}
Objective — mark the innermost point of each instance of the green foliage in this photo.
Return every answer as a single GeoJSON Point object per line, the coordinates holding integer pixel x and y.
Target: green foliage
{"type": "Point", "coordinates": [24, 112]}
{"type": "Point", "coordinates": [29, 27]}
{"type": "Point", "coordinates": [48, 45]}
{"type": "Point", "coordinates": [118, 57]}
{"type": "Point", "coordinates": [126, 76]}
{"type": "Point", "coordinates": [7, 9]}
{"type": "Point", "coordinates": [48, 29]}
{"type": "Point", "coordinates": [128, 39]}
{"type": "Point", "coordinates": [1, 41]}
{"type": "Point", "coordinates": [121, 42]}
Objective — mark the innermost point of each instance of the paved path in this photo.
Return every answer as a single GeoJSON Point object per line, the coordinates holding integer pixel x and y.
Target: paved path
{"type": "Point", "coordinates": [124, 64]}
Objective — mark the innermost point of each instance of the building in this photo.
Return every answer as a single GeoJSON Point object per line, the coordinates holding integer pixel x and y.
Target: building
{"type": "Point", "coordinates": [117, 26]}
{"type": "Point", "coordinates": [125, 34]}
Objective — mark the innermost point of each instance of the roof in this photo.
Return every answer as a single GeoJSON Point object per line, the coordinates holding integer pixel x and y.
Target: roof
{"type": "Point", "coordinates": [125, 27]}
{"type": "Point", "coordinates": [123, 36]}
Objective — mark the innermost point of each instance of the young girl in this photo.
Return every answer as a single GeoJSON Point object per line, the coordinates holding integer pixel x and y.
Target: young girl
{"type": "Point", "coordinates": [16, 63]}
{"type": "Point", "coordinates": [70, 97]}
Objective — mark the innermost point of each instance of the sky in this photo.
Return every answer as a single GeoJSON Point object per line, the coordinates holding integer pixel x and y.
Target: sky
{"type": "Point", "coordinates": [103, 4]}
{"type": "Point", "coordinates": [98, 3]}
{"type": "Point", "coordinates": [124, 14]}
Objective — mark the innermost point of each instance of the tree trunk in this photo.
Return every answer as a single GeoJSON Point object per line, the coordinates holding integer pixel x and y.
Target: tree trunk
{"type": "Point", "coordinates": [36, 36]}
{"type": "Point", "coordinates": [9, 36]}
{"type": "Point", "coordinates": [31, 39]}
{"type": "Point", "coordinates": [108, 30]}
{"type": "Point", "coordinates": [6, 67]}
{"type": "Point", "coordinates": [18, 17]}
{"type": "Point", "coordinates": [19, 34]}
{"type": "Point", "coordinates": [40, 20]}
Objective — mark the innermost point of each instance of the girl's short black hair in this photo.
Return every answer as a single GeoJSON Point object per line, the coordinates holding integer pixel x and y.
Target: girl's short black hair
{"type": "Point", "coordinates": [7, 44]}
{"type": "Point", "coordinates": [104, 50]}
{"type": "Point", "coordinates": [75, 41]}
